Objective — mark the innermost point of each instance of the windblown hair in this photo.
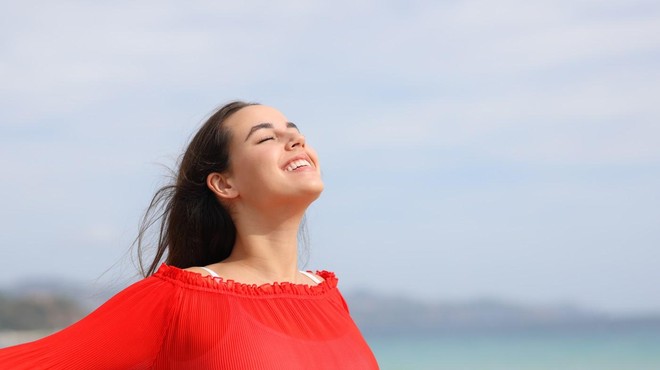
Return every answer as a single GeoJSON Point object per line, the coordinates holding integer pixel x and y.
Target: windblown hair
{"type": "Point", "coordinates": [195, 228]}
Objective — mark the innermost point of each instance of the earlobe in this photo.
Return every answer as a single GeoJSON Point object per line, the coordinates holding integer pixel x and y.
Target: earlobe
{"type": "Point", "coordinates": [221, 185]}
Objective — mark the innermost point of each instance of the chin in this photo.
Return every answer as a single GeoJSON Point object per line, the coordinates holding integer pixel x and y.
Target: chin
{"type": "Point", "coordinates": [312, 192]}
{"type": "Point", "coordinates": [315, 191]}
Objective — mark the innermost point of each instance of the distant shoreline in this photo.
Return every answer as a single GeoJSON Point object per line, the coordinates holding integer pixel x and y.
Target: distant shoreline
{"type": "Point", "coordinates": [60, 304]}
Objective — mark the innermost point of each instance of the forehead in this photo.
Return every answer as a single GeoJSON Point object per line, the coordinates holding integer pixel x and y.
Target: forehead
{"type": "Point", "coordinates": [242, 121]}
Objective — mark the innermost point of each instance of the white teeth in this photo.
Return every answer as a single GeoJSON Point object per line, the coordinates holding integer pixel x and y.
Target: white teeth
{"type": "Point", "coordinates": [297, 164]}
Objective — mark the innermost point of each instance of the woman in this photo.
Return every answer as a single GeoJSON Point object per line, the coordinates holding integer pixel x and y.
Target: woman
{"type": "Point", "coordinates": [229, 295]}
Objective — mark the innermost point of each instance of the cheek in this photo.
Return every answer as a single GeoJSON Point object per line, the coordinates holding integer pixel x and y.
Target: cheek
{"type": "Point", "coordinates": [251, 169]}
{"type": "Point", "coordinates": [312, 153]}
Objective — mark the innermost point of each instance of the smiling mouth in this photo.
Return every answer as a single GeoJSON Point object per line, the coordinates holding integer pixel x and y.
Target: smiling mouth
{"type": "Point", "coordinates": [298, 163]}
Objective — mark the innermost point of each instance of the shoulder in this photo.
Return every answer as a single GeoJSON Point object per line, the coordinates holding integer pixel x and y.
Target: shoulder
{"type": "Point", "coordinates": [324, 275]}
{"type": "Point", "coordinates": [153, 286]}
{"type": "Point", "coordinates": [199, 270]}
{"type": "Point", "coordinates": [190, 277]}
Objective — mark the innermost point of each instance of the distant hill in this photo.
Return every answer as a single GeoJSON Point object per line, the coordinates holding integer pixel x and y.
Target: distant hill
{"type": "Point", "coordinates": [378, 314]}
{"type": "Point", "coordinates": [46, 304]}
{"type": "Point", "coordinates": [37, 312]}
{"type": "Point", "coordinates": [52, 303]}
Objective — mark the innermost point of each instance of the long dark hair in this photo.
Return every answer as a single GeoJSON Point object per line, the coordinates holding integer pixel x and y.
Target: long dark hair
{"type": "Point", "coordinates": [195, 228]}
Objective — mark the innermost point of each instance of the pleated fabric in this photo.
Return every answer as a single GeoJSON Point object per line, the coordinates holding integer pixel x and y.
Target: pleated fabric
{"type": "Point", "coordinates": [177, 319]}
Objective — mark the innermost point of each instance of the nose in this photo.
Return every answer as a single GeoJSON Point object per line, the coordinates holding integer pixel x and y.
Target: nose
{"type": "Point", "coordinates": [296, 140]}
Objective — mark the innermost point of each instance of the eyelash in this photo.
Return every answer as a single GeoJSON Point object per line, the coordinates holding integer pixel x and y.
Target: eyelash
{"type": "Point", "coordinates": [266, 139]}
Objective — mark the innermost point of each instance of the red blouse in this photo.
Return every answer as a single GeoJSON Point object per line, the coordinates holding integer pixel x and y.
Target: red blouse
{"type": "Point", "coordinates": [177, 319]}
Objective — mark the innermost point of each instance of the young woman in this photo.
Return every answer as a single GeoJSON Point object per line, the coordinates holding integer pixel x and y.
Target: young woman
{"type": "Point", "coordinates": [229, 295]}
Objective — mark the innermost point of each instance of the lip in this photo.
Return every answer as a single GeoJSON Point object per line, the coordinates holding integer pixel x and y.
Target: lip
{"type": "Point", "coordinates": [299, 156]}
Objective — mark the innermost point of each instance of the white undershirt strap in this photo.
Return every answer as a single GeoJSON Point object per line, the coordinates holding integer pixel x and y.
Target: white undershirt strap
{"type": "Point", "coordinates": [313, 277]}
{"type": "Point", "coordinates": [211, 272]}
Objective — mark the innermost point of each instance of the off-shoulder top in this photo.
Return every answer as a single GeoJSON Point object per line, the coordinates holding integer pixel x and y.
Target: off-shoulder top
{"type": "Point", "coordinates": [178, 319]}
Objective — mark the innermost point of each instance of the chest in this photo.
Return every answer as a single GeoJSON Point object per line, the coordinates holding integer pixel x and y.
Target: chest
{"type": "Point", "coordinates": [265, 334]}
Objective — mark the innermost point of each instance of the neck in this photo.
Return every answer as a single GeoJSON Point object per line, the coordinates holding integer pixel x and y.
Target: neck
{"type": "Point", "coordinates": [266, 243]}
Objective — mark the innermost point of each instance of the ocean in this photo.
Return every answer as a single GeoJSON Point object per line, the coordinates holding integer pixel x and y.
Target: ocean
{"type": "Point", "coordinates": [622, 349]}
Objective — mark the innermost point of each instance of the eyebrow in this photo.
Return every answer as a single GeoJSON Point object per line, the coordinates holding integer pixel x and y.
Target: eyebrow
{"type": "Point", "coordinates": [268, 125]}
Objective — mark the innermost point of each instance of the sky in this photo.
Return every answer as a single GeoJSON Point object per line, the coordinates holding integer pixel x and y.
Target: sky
{"type": "Point", "coordinates": [470, 149]}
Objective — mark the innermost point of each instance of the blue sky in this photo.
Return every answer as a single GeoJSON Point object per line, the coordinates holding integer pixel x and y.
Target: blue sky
{"type": "Point", "coordinates": [470, 148]}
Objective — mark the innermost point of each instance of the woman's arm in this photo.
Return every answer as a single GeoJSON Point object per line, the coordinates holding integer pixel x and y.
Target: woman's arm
{"type": "Point", "coordinates": [124, 333]}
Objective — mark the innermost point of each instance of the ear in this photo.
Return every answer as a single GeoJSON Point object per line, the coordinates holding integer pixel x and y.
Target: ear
{"type": "Point", "coordinates": [221, 185]}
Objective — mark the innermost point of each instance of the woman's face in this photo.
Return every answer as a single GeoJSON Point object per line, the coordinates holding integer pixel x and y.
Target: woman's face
{"type": "Point", "coordinates": [270, 162]}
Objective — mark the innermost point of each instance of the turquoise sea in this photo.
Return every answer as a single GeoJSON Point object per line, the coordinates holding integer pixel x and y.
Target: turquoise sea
{"type": "Point", "coordinates": [622, 349]}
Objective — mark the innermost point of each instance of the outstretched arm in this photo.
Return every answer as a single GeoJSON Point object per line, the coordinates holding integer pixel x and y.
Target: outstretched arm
{"type": "Point", "coordinates": [126, 332]}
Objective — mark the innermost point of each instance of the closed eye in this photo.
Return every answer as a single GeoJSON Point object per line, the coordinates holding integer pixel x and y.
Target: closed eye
{"type": "Point", "coordinates": [266, 139]}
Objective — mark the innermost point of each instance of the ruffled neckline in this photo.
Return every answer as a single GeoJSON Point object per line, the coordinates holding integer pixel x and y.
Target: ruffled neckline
{"type": "Point", "coordinates": [196, 280]}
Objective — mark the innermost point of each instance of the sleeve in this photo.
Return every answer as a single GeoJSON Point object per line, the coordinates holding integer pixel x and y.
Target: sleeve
{"type": "Point", "coordinates": [126, 332]}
